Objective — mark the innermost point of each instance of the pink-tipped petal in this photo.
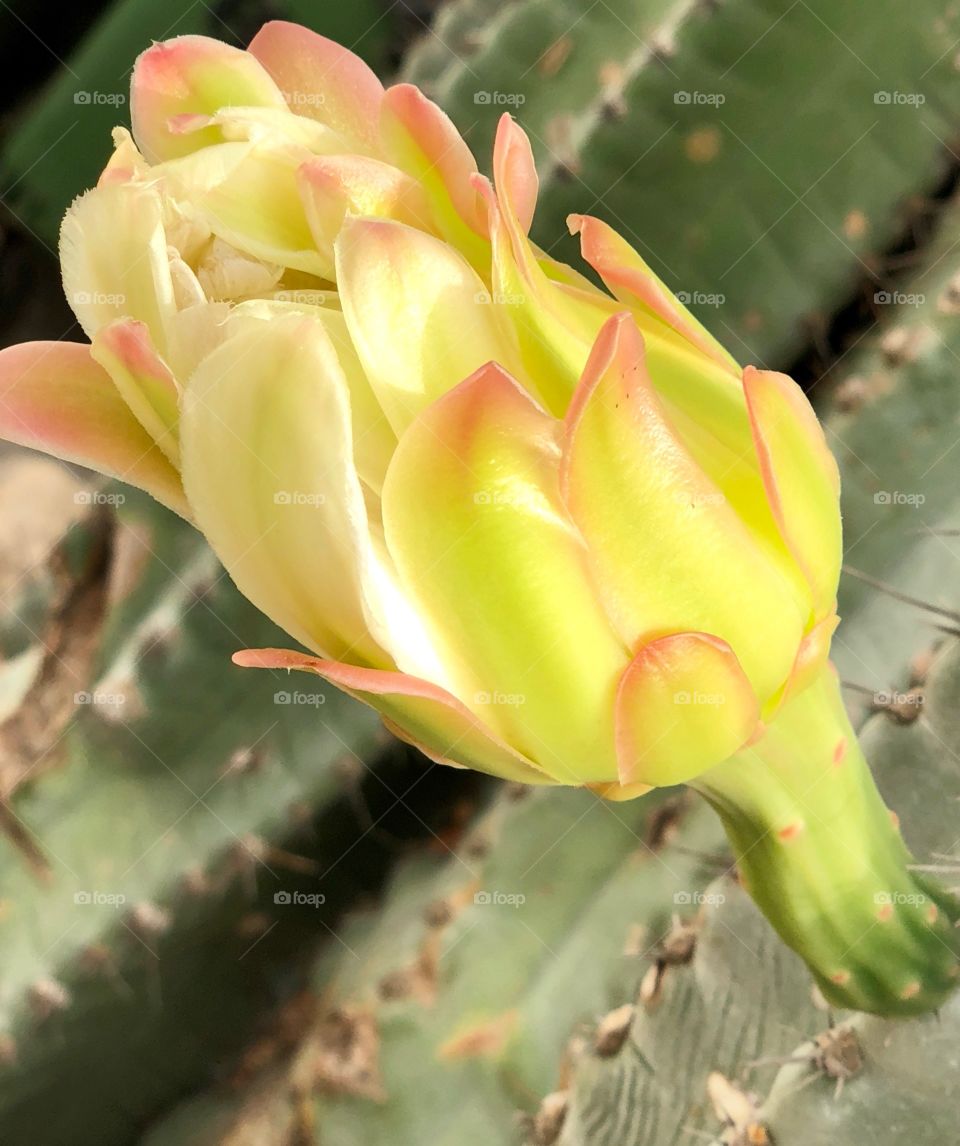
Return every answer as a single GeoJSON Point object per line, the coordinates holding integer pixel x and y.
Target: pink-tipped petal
{"type": "Point", "coordinates": [419, 712]}
{"type": "Point", "coordinates": [334, 186]}
{"type": "Point", "coordinates": [422, 141]}
{"type": "Point", "coordinates": [420, 317]}
{"type": "Point", "coordinates": [55, 398]}
{"type": "Point", "coordinates": [555, 321]}
{"type": "Point", "coordinates": [683, 706]}
{"type": "Point", "coordinates": [188, 76]}
{"type": "Point", "coordinates": [125, 350]}
{"type": "Point", "coordinates": [514, 170]}
{"type": "Point", "coordinates": [322, 80]}
{"type": "Point", "coordinates": [634, 283]}
{"type": "Point", "coordinates": [481, 543]}
{"type": "Point", "coordinates": [801, 478]}
{"type": "Point", "coordinates": [668, 551]}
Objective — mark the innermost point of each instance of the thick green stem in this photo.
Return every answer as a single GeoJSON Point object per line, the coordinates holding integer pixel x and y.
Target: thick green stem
{"type": "Point", "coordinates": [825, 861]}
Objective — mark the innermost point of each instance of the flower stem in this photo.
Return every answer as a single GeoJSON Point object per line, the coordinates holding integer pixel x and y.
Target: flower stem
{"type": "Point", "coordinates": [824, 859]}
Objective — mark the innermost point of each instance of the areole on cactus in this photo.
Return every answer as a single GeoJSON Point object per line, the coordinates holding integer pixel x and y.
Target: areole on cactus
{"type": "Point", "coordinates": [549, 531]}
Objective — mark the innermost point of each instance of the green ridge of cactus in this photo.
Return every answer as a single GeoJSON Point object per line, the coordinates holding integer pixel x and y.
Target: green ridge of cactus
{"type": "Point", "coordinates": [762, 195]}
{"type": "Point", "coordinates": [742, 997]}
{"type": "Point", "coordinates": [164, 802]}
{"type": "Point", "coordinates": [893, 407]}
{"type": "Point", "coordinates": [650, 1097]}
{"type": "Point", "coordinates": [906, 1088]}
{"type": "Point", "coordinates": [451, 1007]}
{"type": "Point", "coordinates": [61, 144]}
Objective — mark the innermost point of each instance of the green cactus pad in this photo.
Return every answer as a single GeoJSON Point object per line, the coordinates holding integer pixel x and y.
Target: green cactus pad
{"type": "Point", "coordinates": [670, 120]}
{"type": "Point", "coordinates": [160, 802]}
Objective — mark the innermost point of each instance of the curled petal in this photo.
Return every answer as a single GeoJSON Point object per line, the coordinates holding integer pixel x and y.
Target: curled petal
{"type": "Point", "coordinates": [420, 317]}
{"type": "Point", "coordinates": [264, 125]}
{"type": "Point", "coordinates": [634, 283]}
{"type": "Point", "coordinates": [322, 80]}
{"type": "Point", "coordinates": [555, 322]}
{"type": "Point", "coordinates": [668, 551]}
{"type": "Point", "coordinates": [683, 705]}
{"type": "Point", "coordinates": [125, 351]}
{"type": "Point", "coordinates": [113, 255]}
{"type": "Point", "coordinates": [417, 711]}
{"type": "Point", "coordinates": [514, 170]}
{"type": "Point", "coordinates": [422, 141]}
{"type": "Point", "coordinates": [192, 75]}
{"type": "Point", "coordinates": [126, 163]}
{"type": "Point", "coordinates": [480, 540]}
{"type": "Point", "coordinates": [801, 478]}
{"type": "Point", "coordinates": [333, 186]}
{"type": "Point", "coordinates": [268, 468]}
{"type": "Point", "coordinates": [55, 398]}
{"type": "Point", "coordinates": [247, 194]}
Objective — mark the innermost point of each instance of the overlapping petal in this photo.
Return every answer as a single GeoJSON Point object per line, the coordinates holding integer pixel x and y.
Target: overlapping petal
{"type": "Point", "coordinates": [247, 193]}
{"type": "Point", "coordinates": [124, 349]}
{"type": "Point", "coordinates": [192, 75]}
{"type": "Point", "coordinates": [801, 478]}
{"type": "Point", "coordinates": [634, 283]}
{"type": "Point", "coordinates": [475, 525]}
{"type": "Point", "coordinates": [338, 185]}
{"type": "Point", "coordinates": [669, 554]}
{"type": "Point", "coordinates": [421, 140]}
{"type": "Point", "coordinates": [683, 705]}
{"type": "Point", "coordinates": [322, 80]}
{"type": "Point", "coordinates": [268, 468]}
{"type": "Point", "coordinates": [421, 319]}
{"type": "Point", "coordinates": [113, 256]}
{"type": "Point", "coordinates": [55, 398]}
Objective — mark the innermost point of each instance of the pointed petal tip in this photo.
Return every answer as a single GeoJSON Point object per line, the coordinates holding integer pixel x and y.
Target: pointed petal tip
{"type": "Point", "coordinates": [514, 171]}
{"type": "Point", "coordinates": [418, 711]}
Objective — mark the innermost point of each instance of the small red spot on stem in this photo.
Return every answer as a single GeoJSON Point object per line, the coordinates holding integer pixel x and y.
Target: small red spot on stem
{"type": "Point", "coordinates": [840, 751]}
{"type": "Point", "coordinates": [885, 912]}
{"type": "Point", "coordinates": [932, 914]}
{"type": "Point", "coordinates": [841, 978]}
{"type": "Point", "coordinates": [894, 818]}
{"type": "Point", "coordinates": [910, 991]}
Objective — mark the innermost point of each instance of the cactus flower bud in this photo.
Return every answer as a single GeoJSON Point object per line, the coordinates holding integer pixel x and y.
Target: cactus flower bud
{"type": "Point", "coordinates": [550, 531]}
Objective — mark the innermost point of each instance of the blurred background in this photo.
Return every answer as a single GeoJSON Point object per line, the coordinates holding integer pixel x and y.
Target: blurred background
{"type": "Point", "coordinates": [232, 910]}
